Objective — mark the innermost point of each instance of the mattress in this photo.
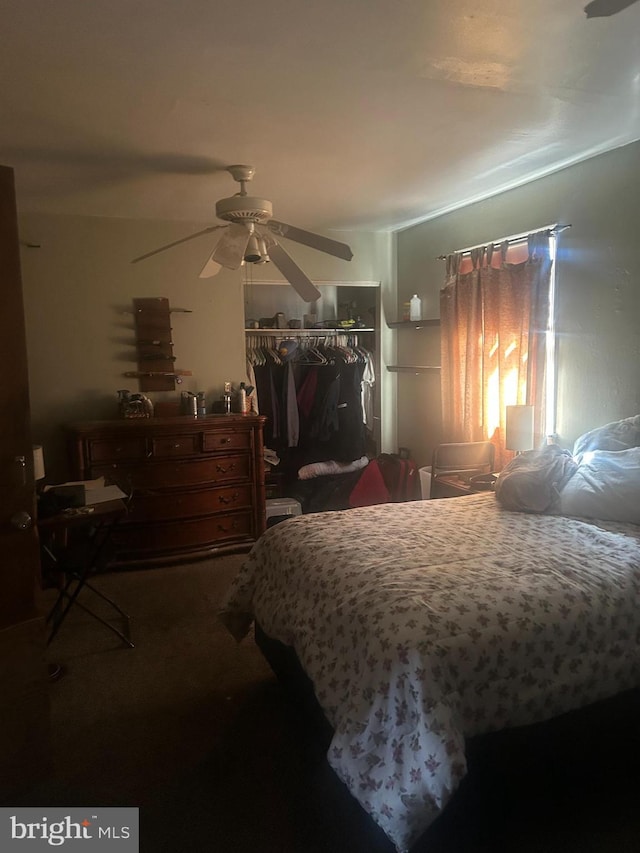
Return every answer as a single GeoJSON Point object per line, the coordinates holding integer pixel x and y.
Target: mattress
{"type": "Point", "coordinates": [422, 624]}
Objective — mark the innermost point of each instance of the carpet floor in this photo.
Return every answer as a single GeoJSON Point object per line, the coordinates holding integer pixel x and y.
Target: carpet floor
{"type": "Point", "coordinates": [195, 730]}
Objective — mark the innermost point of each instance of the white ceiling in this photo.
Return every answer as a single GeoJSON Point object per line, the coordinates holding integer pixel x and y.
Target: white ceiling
{"type": "Point", "coordinates": [357, 114]}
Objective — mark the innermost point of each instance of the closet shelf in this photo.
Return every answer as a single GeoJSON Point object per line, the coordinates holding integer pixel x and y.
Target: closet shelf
{"type": "Point", "coordinates": [412, 368]}
{"type": "Point", "coordinates": [413, 324]}
{"type": "Point", "coordinates": [282, 333]}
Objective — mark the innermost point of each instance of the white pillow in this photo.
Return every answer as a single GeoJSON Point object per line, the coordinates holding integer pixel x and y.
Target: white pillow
{"type": "Point", "coordinates": [606, 485]}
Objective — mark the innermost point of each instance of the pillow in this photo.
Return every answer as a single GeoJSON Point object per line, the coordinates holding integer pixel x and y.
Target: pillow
{"type": "Point", "coordinates": [532, 481]}
{"type": "Point", "coordinates": [618, 435]}
{"type": "Point", "coordinates": [606, 485]}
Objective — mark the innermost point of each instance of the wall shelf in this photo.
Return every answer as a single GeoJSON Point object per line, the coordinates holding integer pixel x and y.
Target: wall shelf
{"type": "Point", "coordinates": [412, 368]}
{"type": "Point", "coordinates": [413, 324]}
{"type": "Point", "coordinates": [154, 344]}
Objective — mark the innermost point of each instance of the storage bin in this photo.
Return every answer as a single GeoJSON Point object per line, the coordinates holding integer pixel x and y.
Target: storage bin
{"type": "Point", "coordinates": [425, 482]}
{"type": "Point", "coordinates": [280, 508]}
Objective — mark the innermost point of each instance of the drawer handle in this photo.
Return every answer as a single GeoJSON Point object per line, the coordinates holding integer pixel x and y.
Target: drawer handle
{"type": "Point", "coordinates": [225, 529]}
{"type": "Point", "coordinates": [225, 440]}
{"type": "Point", "coordinates": [222, 470]}
{"type": "Point", "coordinates": [177, 446]}
{"type": "Point", "coordinates": [225, 500]}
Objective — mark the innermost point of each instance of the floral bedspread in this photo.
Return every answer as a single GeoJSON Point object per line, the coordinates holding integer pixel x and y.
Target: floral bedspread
{"type": "Point", "coordinates": [424, 623]}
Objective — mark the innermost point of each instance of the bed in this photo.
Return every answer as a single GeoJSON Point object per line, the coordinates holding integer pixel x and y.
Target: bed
{"type": "Point", "coordinates": [426, 623]}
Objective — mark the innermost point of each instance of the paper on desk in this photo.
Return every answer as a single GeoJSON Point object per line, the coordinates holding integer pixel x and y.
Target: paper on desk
{"type": "Point", "coordinates": [98, 483]}
{"type": "Point", "coordinates": [103, 493]}
{"type": "Point", "coordinates": [95, 491]}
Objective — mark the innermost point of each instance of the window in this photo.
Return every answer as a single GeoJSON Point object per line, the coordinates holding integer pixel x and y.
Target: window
{"type": "Point", "coordinates": [498, 339]}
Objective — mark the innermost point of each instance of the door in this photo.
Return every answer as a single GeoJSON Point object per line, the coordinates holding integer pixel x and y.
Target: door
{"type": "Point", "coordinates": [24, 706]}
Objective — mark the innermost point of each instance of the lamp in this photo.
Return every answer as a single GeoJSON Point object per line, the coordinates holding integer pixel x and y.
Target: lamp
{"type": "Point", "coordinates": [38, 462]}
{"type": "Point", "coordinates": [519, 429]}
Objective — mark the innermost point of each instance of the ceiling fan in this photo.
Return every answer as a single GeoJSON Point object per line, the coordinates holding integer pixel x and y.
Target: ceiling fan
{"type": "Point", "coordinates": [605, 8]}
{"type": "Point", "coordinates": [250, 237]}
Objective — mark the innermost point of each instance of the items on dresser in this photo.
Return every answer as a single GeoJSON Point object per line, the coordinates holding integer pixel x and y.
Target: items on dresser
{"type": "Point", "coordinates": [134, 405]}
{"type": "Point", "coordinates": [196, 484]}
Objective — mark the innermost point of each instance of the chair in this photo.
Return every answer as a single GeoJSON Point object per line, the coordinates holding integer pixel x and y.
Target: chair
{"type": "Point", "coordinates": [455, 463]}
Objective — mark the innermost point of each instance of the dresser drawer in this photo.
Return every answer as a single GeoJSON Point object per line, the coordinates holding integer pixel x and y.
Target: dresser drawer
{"type": "Point", "coordinates": [165, 475]}
{"type": "Point", "coordinates": [221, 440]}
{"type": "Point", "coordinates": [142, 540]}
{"type": "Point", "coordinates": [147, 507]}
{"type": "Point", "coordinates": [108, 449]}
{"type": "Point", "coordinates": [164, 447]}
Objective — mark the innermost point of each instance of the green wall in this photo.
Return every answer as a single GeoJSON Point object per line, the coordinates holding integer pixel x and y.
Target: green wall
{"type": "Point", "coordinates": [598, 292]}
{"type": "Point", "coordinates": [80, 281]}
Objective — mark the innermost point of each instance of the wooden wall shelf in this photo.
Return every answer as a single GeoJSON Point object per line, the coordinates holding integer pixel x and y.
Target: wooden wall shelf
{"type": "Point", "coordinates": [169, 374]}
{"type": "Point", "coordinates": [154, 344]}
{"type": "Point", "coordinates": [412, 368]}
{"type": "Point", "coordinates": [413, 324]}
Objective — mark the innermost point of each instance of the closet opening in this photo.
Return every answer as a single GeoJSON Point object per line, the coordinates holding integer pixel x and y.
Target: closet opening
{"type": "Point", "coordinates": [314, 367]}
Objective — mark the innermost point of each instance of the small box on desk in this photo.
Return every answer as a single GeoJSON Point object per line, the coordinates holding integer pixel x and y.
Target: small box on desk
{"type": "Point", "coordinates": [71, 496]}
{"type": "Point", "coordinates": [55, 499]}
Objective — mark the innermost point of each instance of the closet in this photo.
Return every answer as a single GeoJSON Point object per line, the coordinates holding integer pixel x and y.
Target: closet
{"type": "Point", "coordinates": [315, 368]}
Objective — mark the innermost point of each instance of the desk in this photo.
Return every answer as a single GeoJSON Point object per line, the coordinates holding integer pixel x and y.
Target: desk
{"type": "Point", "coordinates": [73, 545]}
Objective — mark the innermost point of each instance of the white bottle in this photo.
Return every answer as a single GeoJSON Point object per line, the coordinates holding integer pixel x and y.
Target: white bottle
{"type": "Point", "coordinates": [242, 395]}
{"type": "Point", "coordinates": [415, 308]}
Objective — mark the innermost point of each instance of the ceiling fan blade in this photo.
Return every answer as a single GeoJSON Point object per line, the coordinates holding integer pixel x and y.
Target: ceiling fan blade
{"type": "Point", "coordinates": [308, 238]}
{"type": "Point", "coordinates": [604, 8]}
{"type": "Point", "coordinates": [177, 242]}
{"type": "Point", "coordinates": [210, 269]}
{"type": "Point", "coordinates": [229, 252]}
{"type": "Point", "coordinates": [305, 288]}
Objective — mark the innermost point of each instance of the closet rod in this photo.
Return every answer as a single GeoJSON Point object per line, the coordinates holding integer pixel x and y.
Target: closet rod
{"type": "Point", "coordinates": [289, 334]}
{"type": "Point", "coordinates": [515, 238]}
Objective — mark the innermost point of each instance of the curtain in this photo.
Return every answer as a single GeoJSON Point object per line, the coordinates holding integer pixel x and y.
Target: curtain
{"type": "Point", "coordinates": [494, 315]}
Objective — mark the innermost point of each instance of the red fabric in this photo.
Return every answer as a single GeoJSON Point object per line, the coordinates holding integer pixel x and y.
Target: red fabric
{"type": "Point", "coordinates": [370, 488]}
{"type": "Point", "coordinates": [400, 475]}
{"type": "Point", "coordinates": [307, 393]}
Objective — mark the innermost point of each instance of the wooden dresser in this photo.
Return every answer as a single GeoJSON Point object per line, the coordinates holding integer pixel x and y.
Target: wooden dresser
{"type": "Point", "coordinates": [197, 484]}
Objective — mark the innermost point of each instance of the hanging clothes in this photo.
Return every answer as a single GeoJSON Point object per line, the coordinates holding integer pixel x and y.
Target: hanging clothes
{"type": "Point", "coordinates": [368, 383]}
{"type": "Point", "coordinates": [311, 390]}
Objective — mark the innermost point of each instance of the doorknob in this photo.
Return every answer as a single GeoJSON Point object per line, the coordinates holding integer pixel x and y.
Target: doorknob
{"type": "Point", "coordinates": [21, 520]}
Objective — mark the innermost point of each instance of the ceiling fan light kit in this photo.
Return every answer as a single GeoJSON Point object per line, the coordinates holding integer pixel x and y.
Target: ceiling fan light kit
{"type": "Point", "coordinates": [242, 241]}
{"type": "Point", "coordinates": [253, 254]}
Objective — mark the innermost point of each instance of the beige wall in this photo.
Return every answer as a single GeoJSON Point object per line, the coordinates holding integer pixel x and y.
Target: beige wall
{"type": "Point", "coordinates": [80, 281]}
{"type": "Point", "coordinates": [598, 292]}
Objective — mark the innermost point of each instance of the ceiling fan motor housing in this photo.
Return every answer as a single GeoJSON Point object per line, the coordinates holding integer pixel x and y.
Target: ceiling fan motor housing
{"type": "Point", "coordinates": [244, 208]}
